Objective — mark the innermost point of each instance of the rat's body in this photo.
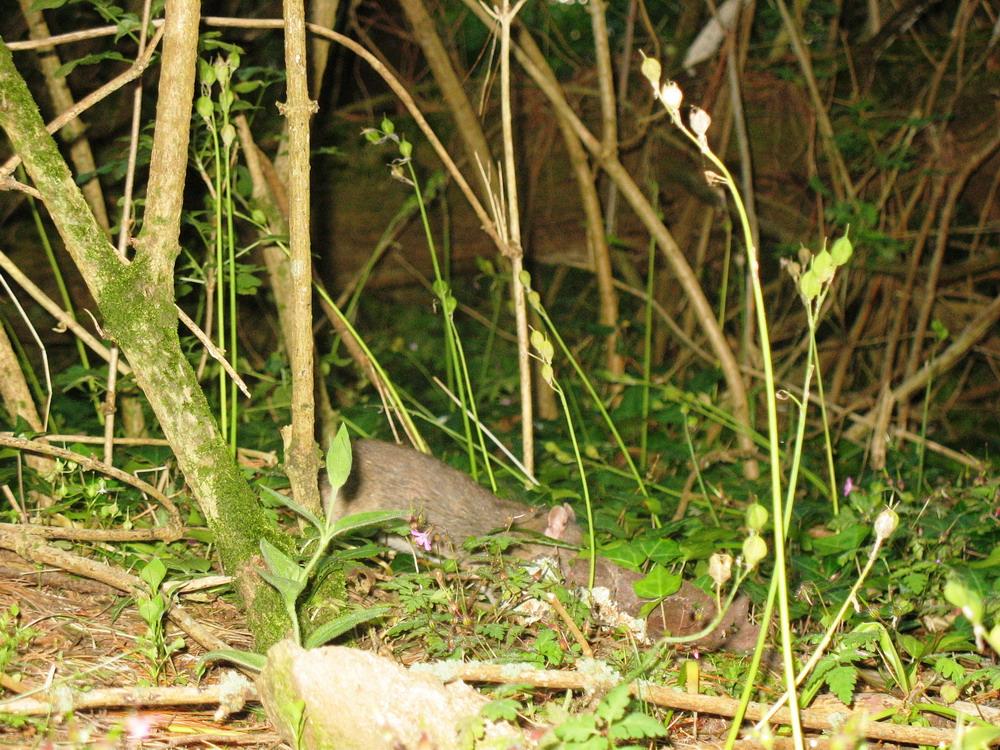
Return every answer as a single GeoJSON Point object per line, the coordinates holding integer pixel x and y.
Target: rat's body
{"type": "Point", "coordinates": [450, 503]}
{"type": "Point", "coordinates": [452, 506]}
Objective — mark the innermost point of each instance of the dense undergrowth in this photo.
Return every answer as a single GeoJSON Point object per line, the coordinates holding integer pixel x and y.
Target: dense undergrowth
{"type": "Point", "coordinates": [840, 471]}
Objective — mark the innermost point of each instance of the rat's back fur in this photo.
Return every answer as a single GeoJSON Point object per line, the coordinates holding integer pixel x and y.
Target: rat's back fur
{"type": "Point", "coordinates": [391, 477]}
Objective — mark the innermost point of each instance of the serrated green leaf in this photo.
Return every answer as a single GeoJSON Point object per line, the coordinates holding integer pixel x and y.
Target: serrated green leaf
{"type": "Point", "coordinates": [841, 681]}
{"type": "Point", "coordinates": [949, 669]}
{"type": "Point", "coordinates": [577, 728]}
{"type": "Point", "coordinates": [614, 705]}
{"type": "Point", "coordinates": [501, 709]}
{"type": "Point", "coordinates": [637, 726]}
{"type": "Point", "coordinates": [336, 627]}
{"type": "Point", "coordinates": [889, 654]}
{"type": "Point", "coordinates": [915, 582]}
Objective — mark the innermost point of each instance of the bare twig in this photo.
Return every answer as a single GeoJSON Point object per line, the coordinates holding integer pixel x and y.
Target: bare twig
{"type": "Point", "coordinates": [35, 550]}
{"type": "Point", "coordinates": [58, 313]}
{"type": "Point", "coordinates": [92, 464]}
{"type": "Point", "coordinates": [92, 98]}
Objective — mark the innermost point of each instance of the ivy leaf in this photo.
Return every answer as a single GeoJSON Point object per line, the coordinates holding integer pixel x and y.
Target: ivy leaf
{"type": "Point", "coordinates": [659, 583]}
{"type": "Point", "coordinates": [626, 554]}
{"type": "Point", "coordinates": [662, 551]}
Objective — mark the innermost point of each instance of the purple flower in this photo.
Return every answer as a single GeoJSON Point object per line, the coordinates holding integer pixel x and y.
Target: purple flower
{"type": "Point", "coordinates": [422, 539]}
{"type": "Point", "coordinates": [848, 486]}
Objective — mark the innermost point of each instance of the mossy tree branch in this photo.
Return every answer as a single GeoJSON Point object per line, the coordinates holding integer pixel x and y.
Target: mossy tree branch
{"type": "Point", "coordinates": [136, 301]}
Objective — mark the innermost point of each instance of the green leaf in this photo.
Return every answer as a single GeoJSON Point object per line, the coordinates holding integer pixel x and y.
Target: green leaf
{"type": "Point", "coordinates": [949, 669]}
{"type": "Point", "coordinates": [40, 5]}
{"type": "Point", "coordinates": [979, 738]}
{"type": "Point", "coordinates": [914, 647]}
{"type": "Point", "coordinates": [848, 540]}
{"type": "Point", "coordinates": [614, 705]}
{"type": "Point", "coordinates": [841, 681]}
{"type": "Point", "coordinates": [357, 521]}
{"type": "Point", "coordinates": [501, 709]}
{"type": "Point", "coordinates": [637, 726]}
{"type": "Point", "coordinates": [889, 653]}
{"type": "Point", "coordinates": [248, 659]}
{"type": "Point", "coordinates": [627, 554]}
{"type": "Point", "coordinates": [338, 460]}
{"type": "Point", "coordinates": [153, 573]}
{"type": "Point", "coordinates": [941, 332]}
{"type": "Point", "coordinates": [340, 625]}
{"type": "Point", "coordinates": [98, 57]}
{"type": "Point", "coordinates": [281, 564]}
{"type": "Point", "coordinates": [547, 646]}
{"type": "Point", "coordinates": [990, 561]}
{"type": "Point", "coordinates": [659, 583]}
{"type": "Point", "coordinates": [915, 582]}
{"type": "Point", "coordinates": [578, 728]}
{"type": "Point", "coordinates": [959, 595]}
{"type": "Point", "coordinates": [151, 610]}
{"type": "Point", "coordinates": [288, 588]}
{"type": "Point", "coordinates": [662, 551]}
{"type": "Point", "coordinates": [292, 506]}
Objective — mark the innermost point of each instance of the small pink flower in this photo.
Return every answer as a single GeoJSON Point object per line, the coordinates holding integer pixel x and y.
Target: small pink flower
{"type": "Point", "coordinates": [138, 726]}
{"type": "Point", "coordinates": [848, 486]}
{"type": "Point", "coordinates": [422, 539]}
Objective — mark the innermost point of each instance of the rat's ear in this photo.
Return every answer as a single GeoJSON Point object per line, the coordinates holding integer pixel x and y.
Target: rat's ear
{"type": "Point", "coordinates": [559, 518]}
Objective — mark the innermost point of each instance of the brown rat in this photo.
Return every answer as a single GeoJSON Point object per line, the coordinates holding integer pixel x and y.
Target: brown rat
{"type": "Point", "coordinates": [454, 507]}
